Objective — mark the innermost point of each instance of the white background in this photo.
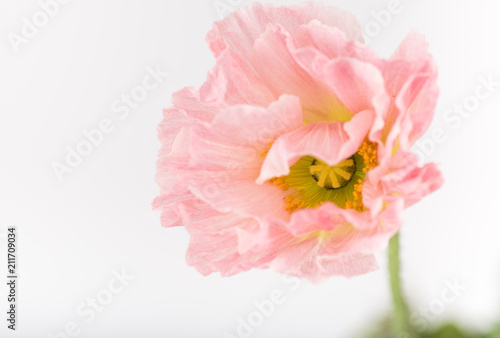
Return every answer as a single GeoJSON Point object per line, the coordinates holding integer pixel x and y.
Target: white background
{"type": "Point", "coordinates": [73, 234]}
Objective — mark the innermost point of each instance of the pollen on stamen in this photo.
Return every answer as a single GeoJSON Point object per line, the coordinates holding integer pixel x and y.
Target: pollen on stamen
{"type": "Point", "coordinates": [280, 182]}
{"type": "Point", "coordinates": [293, 203]}
{"type": "Point", "coordinates": [368, 151]}
{"type": "Point", "coordinates": [357, 202]}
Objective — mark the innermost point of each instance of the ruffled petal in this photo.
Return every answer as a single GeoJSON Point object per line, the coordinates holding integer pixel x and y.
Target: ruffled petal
{"type": "Point", "coordinates": [226, 157]}
{"type": "Point", "coordinates": [306, 260]}
{"type": "Point", "coordinates": [359, 85]}
{"type": "Point", "coordinates": [168, 205]}
{"type": "Point", "coordinates": [349, 69]}
{"type": "Point", "coordinates": [193, 105]}
{"type": "Point", "coordinates": [213, 245]}
{"type": "Point", "coordinates": [346, 230]}
{"type": "Point", "coordinates": [271, 58]}
{"type": "Point", "coordinates": [174, 133]}
{"type": "Point", "coordinates": [409, 181]}
{"type": "Point", "coordinates": [233, 81]}
{"type": "Point", "coordinates": [316, 39]}
{"type": "Point", "coordinates": [411, 78]}
{"type": "Point", "coordinates": [173, 157]}
{"type": "Point", "coordinates": [404, 179]}
{"type": "Point", "coordinates": [241, 29]}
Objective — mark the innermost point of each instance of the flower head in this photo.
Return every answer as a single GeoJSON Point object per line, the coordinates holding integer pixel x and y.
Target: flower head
{"type": "Point", "coordinates": [295, 152]}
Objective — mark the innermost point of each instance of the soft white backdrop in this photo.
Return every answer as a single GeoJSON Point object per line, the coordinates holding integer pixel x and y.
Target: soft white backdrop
{"type": "Point", "coordinates": [75, 233]}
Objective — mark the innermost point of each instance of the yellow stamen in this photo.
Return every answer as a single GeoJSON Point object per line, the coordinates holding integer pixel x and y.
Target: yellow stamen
{"type": "Point", "coordinates": [280, 182]}
{"type": "Point", "coordinates": [369, 152]}
{"type": "Point", "coordinates": [293, 202]}
{"type": "Point", "coordinates": [357, 202]}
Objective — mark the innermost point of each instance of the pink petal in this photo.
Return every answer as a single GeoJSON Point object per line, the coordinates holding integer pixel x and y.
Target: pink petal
{"type": "Point", "coordinates": [173, 156]}
{"type": "Point", "coordinates": [330, 42]}
{"type": "Point", "coordinates": [359, 85]}
{"type": "Point", "coordinates": [413, 183]}
{"type": "Point", "coordinates": [404, 179]}
{"type": "Point", "coordinates": [349, 231]}
{"type": "Point", "coordinates": [168, 204]}
{"type": "Point", "coordinates": [344, 251]}
{"type": "Point", "coordinates": [411, 77]}
{"type": "Point", "coordinates": [213, 245]}
{"type": "Point", "coordinates": [305, 260]}
{"type": "Point", "coordinates": [270, 57]}
{"type": "Point", "coordinates": [241, 29]}
{"type": "Point", "coordinates": [349, 69]}
{"type": "Point", "coordinates": [226, 157]}
{"type": "Point", "coordinates": [189, 101]}
{"type": "Point", "coordinates": [233, 81]}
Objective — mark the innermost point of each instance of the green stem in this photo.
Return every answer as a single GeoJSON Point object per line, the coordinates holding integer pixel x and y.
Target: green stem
{"type": "Point", "coordinates": [401, 319]}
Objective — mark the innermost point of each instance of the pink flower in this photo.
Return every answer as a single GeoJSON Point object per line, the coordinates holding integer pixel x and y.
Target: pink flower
{"type": "Point", "coordinates": [295, 152]}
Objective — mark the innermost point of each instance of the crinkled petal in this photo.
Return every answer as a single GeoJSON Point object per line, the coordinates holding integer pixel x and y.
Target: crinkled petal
{"type": "Point", "coordinates": [411, 78]}
{"type": "Point", "coordinates": [168, 205]}
{"type": "Point", "coordinates": [226, 157]}
{"type": "Point", "coordinates": [213, 245]}
{"type": "Point", "coordinates": [271, 58]}
{"type": "Point", "coordinates": [346, 230]}
{"type": "Point", "coordinates": [305, 260]}
{"type": "Point", "coordinates": [173, 156]}
{"type": "Point", "coordinates": [233, 81]}
{"type": "Point", "coordinates": [316, 39]}
{"type": "Point", "coordinates": [350, 70]}
{"type": "Point", "coordinates": [359, 85]}
{"type": "Point", "coordinates": [193, 105]}
{"type": "Point", "coordinates": [412, 182]}
{"type": "Point", "coordinates": [403, 179]}
{"type": "Point", "coordinates": [241, 29]}
{"type": "Point", "coordinates": [344, 251]}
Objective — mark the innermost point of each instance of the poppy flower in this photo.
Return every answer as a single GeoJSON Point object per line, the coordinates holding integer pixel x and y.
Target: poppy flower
{"type": "Point", "coordinates": [295, 154]}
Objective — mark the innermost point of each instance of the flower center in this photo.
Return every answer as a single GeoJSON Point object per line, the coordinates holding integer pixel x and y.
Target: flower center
{"type": "Point", "coordinates": [335, 177]}
{"type": "Point", "coordinates": [312, 182]}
